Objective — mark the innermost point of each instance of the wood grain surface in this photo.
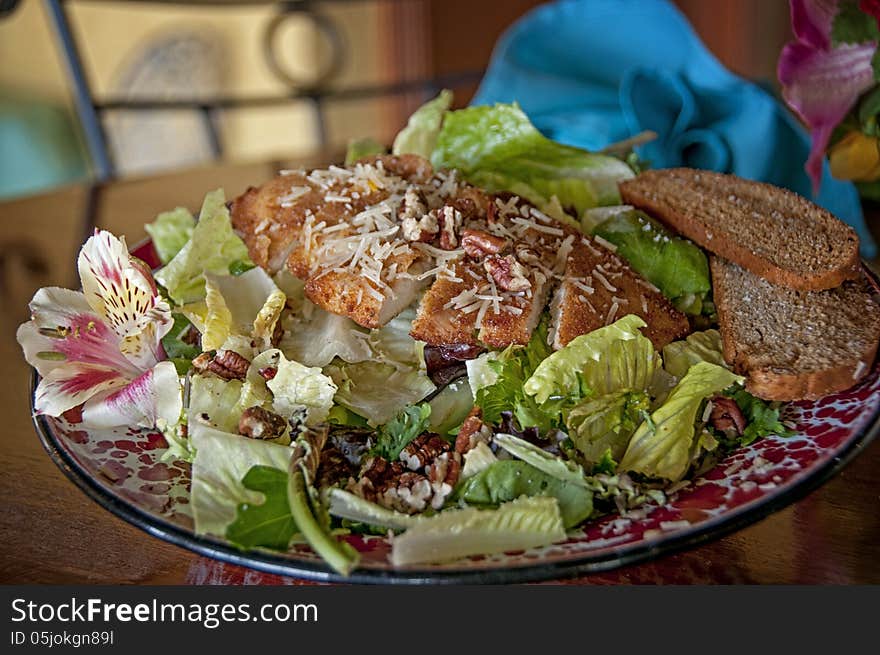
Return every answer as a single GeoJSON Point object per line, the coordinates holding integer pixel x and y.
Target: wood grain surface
{"type": "Point", "coordinates": [50, 532]}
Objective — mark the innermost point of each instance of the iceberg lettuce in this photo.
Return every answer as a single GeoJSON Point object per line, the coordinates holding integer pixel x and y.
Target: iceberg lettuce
{"type": "Point", "coordinates": [296, 387]}
{"type": "Point", "coordinates": [661, 446]}
{"type": "Point", "coordinates": [377, 391]}
{"type": "Point", "coordinates": [212, 248]}
{"type": "Point", "coordinates": [601, 427]}
{"type": "Point", "coordinates": [606, 360]}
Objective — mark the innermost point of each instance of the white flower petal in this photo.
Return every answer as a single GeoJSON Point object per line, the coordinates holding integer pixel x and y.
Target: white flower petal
{"type": "Point", "coordinates": [153, 396]}
{"type": "Point", "coordinates": [70, 385]}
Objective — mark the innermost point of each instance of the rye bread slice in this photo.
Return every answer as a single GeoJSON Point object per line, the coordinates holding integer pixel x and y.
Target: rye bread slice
{"type": "Point", "coordinates": [795, 345]}
{"type": "Point", "coordinates": [772, 232]}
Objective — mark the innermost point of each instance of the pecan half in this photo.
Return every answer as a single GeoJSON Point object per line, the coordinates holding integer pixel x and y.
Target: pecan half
{"type": "Point", "coordinates": [472, 431]}
{"type": "Point", "coordinates": [422, 450]}
{"type": "Point", "coordinates": [449, 219]}
{"type": "Point", "coordinates": [410, 492]}
{"type": "Point", "coordinates": [507, 272]}
{"type": "Point", "coordinates": [334, 468]}
{"type": "Point", "coordinates": [443, 473]}
{"type": "Point", "coordinates": [726, 415]}
{"type": "Point", "coordinates": [478, 243]}
{"type": "Point", "coordinates": [226, 364]}
{"type": "Point", "coordinates": [259, 423]}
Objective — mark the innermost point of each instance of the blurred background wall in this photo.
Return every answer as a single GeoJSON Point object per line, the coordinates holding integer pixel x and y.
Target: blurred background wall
{"type": "Point", "coordinates": [167, 50]}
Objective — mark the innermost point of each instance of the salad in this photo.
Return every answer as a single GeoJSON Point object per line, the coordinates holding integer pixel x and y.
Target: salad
{"type": "Point", "coordinates": [306, 424]}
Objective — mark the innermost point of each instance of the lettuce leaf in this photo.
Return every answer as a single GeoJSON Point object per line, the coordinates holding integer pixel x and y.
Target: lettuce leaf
{"type": "Point", "coordinates": [450, 407]}
{"type": "Point", "coordinates": [346, 505]}
{"type": "Point", "coordinates": [221, 462]}
{"type": "Point", "coordinates": [212, 248]}
{"type": "Point", "coordinates": [360, 148]}
{"type": "Point", "coordinates": [179, 351]}
{"type": "Point", "coordinates": [661, 445]}
{"type": "Point", "coordinates": [762, 418]}
{"type": "Point", "coordinates": [376, 390]}
{"type": "Point", "coordinates": [561, 469]}
{"type": "Point", "coordinates": [316, 337]}
{"type": "Point", "coordinates": [296, 387]}
{"type": "Point", "coordinates": [673, 264]}
{"type": "Point", "coordinates": [519, 524]}
{"type": "Point", "coordinates": [476, 460]}
{"type": "Point", "coordinates": [394, 436]}
{"type": "Point", "coordinates": [170, 232]}
{"type": "Point", "coordinates": [508, 479]}
{"type": "Point", "coordinates": [705, 346]}
{"type": "Point", "coordinates": [606, 360]}
{"type": "Point", "coordinates": [499, 149]}
{"type": "Point", "coordinates": [420, 134]}
{"type": "Point", "coordinates": [268, 524]}
{"type": "Point", "coordinates": [600, 428]}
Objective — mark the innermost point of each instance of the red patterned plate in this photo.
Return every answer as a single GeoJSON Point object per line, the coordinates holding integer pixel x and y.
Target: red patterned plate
{"type": "Point", "coordinates": [121, 470]}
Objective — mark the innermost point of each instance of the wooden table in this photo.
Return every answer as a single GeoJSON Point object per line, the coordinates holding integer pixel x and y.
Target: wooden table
{"type": "Point", "coordinates": [51, 533]}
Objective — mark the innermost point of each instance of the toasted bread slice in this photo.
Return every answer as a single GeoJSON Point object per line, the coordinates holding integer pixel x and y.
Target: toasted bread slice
{"type": "Point", "coordinates": [598, 288]}
{"type": "Point", "coordinates": [795, 345]}
{"type": "Point", "coordinates": [769, 231]}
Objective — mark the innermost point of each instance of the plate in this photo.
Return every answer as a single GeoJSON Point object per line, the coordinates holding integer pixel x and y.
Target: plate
{"type": "Point", "coordinates": [122, 470]}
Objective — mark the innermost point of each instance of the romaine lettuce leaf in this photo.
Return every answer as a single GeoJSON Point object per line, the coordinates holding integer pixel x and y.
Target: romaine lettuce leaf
{"type": "Point", "coordinates": [601, 427]}
{"type": "Point", "coordinates": [170, 232]}
{"type": "Point", "coordinates": [509, 479]}
{"type": "Point", "coordinates": [561, 469]}
{"type": "Point", "coordinates": [612, 358]}
{"type": "Point", "coordinates": [499, 149]}
{"type": "Point", "coordinates": [220, 464]}
{"type": "Point", "coordinates": [360, 148]}
{"type": "Point", "coordinates": [450, 407]}
{"type": "Point", "coordinates": [347, 505]}
{"type": "Point", "coordinates": [377, 391]}
{"type": "Point", "coordinates": [420, 134]}
{"type": "Point", "coordinates": [673, 264]}
{"type": "Point", "coordinates": [212, 248]}
{"type": "Point", "coordinates": [705, 346]}
{"type": "Point", "coordinates": [519, 524]}
{"type": "Point", "coordinates": [661, 445]}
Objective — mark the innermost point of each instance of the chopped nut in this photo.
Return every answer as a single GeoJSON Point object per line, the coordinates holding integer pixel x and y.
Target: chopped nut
{"type": "Point", "coordinates": [472, 432]}
{"type": "Point", "coordinates": [423, 229]}
{"type": "Point", "coordinates": [413, 204]}
{"type": "Point", "coordinates": [443, 474]}
{"type": "Point", "coordinates": [191, 336]}
{"type": "Point", "coordinates": [277, 334]}
{"type": "Point", "coordinates": [449, 219]}
{"type": "Point", "coordinates": [477, 243]}
{"type": "Point", "coordinates": [507, 272]}
{"type": "Point", "coordinates": [334, 468]}
{"type": "Point", "coordinates": [268, 372]}
{"type": "Point", "coordinates": [226, 364]}
{"type": "Point", "coordinates": [259, 423]}
{"type": "Point", "coordinates": [410, 493]}
{"type": "Point", "coordinates": [422, 450]}
{"type": "Point", "coordinates": [726, 415]}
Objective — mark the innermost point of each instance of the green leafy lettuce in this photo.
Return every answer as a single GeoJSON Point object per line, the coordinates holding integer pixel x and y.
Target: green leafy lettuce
{"type": "Point", "coordinates": [508, 479]}
{"type": "Point", "coordinates": [212, 248]}
{"type": "Point", "coordinates": [376, 390]}
{"type": "Point", "coordinates": [554, 466]}
{"type": "Point", "coordinates": [705, 346]}
{"type": "Point", "coordinates": [498, 149]}
{"type": "Point", "coordinates": [394, 436]}
{"type": "Point", "coordinates": [360, 148]}
{"type": "Point", "coordinates": [673, 264]}
{"type": "Point", "coordinates": [612, 358]}
{"type": "Point", "coordinates": [296, 387]}
{"type": "Point", "coordinates": [450, 407]}
{"type": "Point", "coordinates": [420, 134]}
{"type": "Point", "coordinates": [762, 418]}
{"type": "Point", "coordinates": [268, 523]}
{"type": "Point", "coordinates": [600, 428]}
{"type": "Point", "coordinates": [170, 232]}
{"type": "Point", "coordinates": [180, 352]}
{"type": "Point", "coordinates": [221, 462]}
{"type": "Point", "coordinates": [508, 372]}
{"type": "Point", "coordinates": [519, 524]}
{"type": "Point", "coordinates": [662, 445]}
{"type": "Point", "coordinates": [346, 505]}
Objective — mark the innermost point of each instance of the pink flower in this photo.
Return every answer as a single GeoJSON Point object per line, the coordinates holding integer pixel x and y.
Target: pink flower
{"type": "Point", "coordinates": [102, 346]}
{"type": "Point", "coordinates": [820, 82]}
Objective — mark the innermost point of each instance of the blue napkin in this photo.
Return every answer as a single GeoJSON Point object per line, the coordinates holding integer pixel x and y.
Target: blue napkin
{"type": "Point", "coordinates": [592, 72]}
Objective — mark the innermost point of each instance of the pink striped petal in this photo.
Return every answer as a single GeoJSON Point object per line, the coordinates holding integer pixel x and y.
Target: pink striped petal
{"type": "Point", "coordinates": [811, 21]}
{"type": "Point", "coordinates": [122, 290]}
{"type": "Point", "coordinates": [70, 385]}
{"type": "Point", "coordinates": [63, 328]}
{"type": "Point", "coordinates": [154, 396]}
{"type": "Point", "coordinates": [822, 86]}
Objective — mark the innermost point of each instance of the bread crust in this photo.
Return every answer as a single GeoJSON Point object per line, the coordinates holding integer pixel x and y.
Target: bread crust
{"type": "Point", "coordinates": [640, 192]}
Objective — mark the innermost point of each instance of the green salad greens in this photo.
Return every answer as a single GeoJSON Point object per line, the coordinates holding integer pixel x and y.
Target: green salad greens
{"type": "Point", "coordinates": [302, 426]}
